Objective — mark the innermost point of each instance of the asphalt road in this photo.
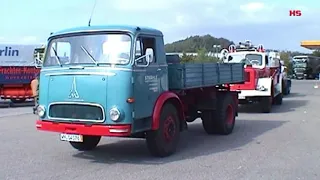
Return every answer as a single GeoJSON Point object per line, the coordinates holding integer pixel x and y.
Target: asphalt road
{"type": "Point", "coordinates": [280, 145]}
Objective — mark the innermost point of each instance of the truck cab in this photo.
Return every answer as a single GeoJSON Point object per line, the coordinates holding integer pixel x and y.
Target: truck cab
{"type": "Point", "coordinates": [300, 67]}
{"type": "Point", "coordinates": [93, 77]}
{"type": "Point", "coordinates": [101, 81]}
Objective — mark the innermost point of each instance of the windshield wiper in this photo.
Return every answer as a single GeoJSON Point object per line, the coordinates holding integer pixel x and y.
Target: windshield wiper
{"type": "Point", "coordinates": [90, 56]}
{"type": "Point", "coordinates": [56, 56]}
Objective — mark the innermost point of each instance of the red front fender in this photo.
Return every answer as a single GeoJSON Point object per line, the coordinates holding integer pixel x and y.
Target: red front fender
{"type": "Point", "coordinates": [162, 99]}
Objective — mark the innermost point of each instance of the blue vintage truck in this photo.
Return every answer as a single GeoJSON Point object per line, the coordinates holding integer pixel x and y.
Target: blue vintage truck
{"type": "Point", "coordinates": [117, 81]}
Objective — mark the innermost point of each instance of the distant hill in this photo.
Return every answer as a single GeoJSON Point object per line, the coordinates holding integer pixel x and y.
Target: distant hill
{"type": "Point", "coordinates": [194, 43]}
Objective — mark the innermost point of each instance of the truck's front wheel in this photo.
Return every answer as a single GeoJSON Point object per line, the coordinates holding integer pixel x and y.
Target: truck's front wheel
{"type": "Point", "coordinates": [163, 141]}
{"type": "Point", "coordinates": [278, 99]}
{"type": "Point", "coordinates": [89, 143]}
{"type": "Point", "coordinates": [266, 104]}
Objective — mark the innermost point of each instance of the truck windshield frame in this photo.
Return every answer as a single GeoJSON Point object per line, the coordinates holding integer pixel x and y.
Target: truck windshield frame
{"type": "Point", "coordinates": [246, 58]}
{"type": "Point", "coordinates": [100, 49]}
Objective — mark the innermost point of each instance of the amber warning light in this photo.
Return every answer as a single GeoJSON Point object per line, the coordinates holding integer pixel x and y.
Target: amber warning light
{"type": "Point", "coordinates": [295, 13]}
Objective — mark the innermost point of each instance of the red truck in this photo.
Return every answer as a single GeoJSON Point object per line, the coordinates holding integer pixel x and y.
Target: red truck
{"type": "Point", "coordinates": [263, 75]}
{"type": "Point", "coordinates": [16, 71]}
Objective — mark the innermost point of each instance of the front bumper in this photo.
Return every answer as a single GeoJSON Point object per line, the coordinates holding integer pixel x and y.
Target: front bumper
{"type": "Point", "coordinates": [252, 93]}
{"type": "Point", "coordinates": [300, 75]}
{"type": "Point", "coordinates": [122, 130]}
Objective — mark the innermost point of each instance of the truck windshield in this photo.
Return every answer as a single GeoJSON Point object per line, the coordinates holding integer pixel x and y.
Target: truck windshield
{"type": "Point", "coordinates": [89, 49]}
{"type": "Point", "coordinates": [300, 65]}
{"type": "Point", "coordinates": [300, 62]}
{"type": "Point", "coordinates": [254, 59]}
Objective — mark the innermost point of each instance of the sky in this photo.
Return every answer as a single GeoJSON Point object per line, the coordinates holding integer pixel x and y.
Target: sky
{"type": "Point", "coordinates": [262, 22]}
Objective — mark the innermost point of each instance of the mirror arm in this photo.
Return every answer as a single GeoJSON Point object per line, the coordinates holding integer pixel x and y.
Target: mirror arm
{"type": "Point", "coordinates": [140, 58]}
{"type": "Point", "coordinates": [39, 60]}
{"type": "Point", "coordinates": [139, 65]}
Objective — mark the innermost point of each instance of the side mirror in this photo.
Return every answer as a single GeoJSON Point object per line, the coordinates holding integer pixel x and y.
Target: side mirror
{"type": "Point", "coordinates": [37, 61]}
{"type": "Point", "coordinates": [224, 54]}
{"type": "Point", "coordinates": [230, 58]}
{"type": "Point", "coordinates": [149, 55]}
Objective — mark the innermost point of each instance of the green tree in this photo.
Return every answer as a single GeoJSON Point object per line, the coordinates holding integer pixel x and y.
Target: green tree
{"type": "Point", "coordinates": [285, 56]}
{"type": "Point", "coordinates": [201, 55]}
{"type": "Point", "coordinates": [316, 53]}
{"type": "Point", "coordinates": [186, 58]}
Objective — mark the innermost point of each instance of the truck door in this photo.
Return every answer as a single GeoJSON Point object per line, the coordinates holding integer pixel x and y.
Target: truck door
{"type": "Point", "coordinates": [146, 86]}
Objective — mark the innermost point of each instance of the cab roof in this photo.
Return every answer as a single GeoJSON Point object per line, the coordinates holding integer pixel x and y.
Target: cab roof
{"type": "Point", "coordinates": [127, 28]}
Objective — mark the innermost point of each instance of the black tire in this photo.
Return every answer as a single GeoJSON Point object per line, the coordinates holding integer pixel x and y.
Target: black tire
{"type": "Point", "coordinates": [163, 142]}
{"type": "Point", "coordinates": [266, 104]}
{"type": "Point", "coordinates": [285, 87]}
{"type": "Point", "coordinates": [278, 99]}
{"type": "Point", "coordinates": [89, 143]}
{"type": "Point", "coordinates": [222, 120]}
{"type": "Point", "coordinates": [22, 100]}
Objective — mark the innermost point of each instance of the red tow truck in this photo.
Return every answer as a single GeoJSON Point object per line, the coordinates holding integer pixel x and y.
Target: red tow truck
{"type": "Point", "coordinates": [263, 74]}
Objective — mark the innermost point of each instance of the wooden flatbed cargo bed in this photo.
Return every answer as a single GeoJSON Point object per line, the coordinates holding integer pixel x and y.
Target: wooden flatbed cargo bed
{"type": "Point", "coordinates": [197, 75]}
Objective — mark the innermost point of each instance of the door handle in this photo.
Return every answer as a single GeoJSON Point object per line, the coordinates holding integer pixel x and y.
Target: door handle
{"type": "Point", "coordinates": [158, 69]}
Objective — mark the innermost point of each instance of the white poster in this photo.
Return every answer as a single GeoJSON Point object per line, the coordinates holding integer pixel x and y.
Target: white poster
{"type": "Point", "coordinates": [17, 55]}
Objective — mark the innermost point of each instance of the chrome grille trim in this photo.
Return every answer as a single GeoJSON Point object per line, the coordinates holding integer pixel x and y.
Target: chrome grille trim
{"type": "Point", "coordinates": [77, 103]}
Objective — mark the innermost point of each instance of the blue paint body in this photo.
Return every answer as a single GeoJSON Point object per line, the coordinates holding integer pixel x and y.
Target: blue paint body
{"type": "Point", "coordinates": [109, 86]}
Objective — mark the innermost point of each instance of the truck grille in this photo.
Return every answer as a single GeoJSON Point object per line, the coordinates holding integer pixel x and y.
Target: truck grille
{"type": "Point", "coordinates": [81, 112]}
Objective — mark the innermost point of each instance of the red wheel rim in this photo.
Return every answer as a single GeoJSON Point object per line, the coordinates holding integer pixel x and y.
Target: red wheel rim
{"type": "Point", "coordinates": [230, 114]}
{"type": "Point", "coordinates": [169, 129]}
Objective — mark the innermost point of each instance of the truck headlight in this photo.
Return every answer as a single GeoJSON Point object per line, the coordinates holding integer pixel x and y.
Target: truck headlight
{"type": "Point", "coordinates": [41, 111]}
{"type": "Point", "coordinates": [261, 88]}
{"type": "Point", "coordinates": [114, 114]}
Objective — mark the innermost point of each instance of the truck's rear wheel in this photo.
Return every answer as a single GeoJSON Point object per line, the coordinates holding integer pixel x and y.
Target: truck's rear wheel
{"type": "Point", "coordinates": [222, 120]}
{"type": "Point", "coordinates": [89, 143]}
{"type": "Point", "coordinates": [22, 100]}
{"type": "Point", "coordinates": [163, 141]}
{"type": "Point", "coordinates": [266, 104]}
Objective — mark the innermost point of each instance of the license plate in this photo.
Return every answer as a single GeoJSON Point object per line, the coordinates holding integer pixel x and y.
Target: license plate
{"type": "Point", "coordinates": [71, 137]}
{"type": "Point", "coordinates": [242, 97]}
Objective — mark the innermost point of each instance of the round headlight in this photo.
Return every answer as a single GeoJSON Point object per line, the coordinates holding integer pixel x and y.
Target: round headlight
{"type": "Point", "coordinates": [41, 111]}
{"type": "Point", "coordinates": [114, 114]}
